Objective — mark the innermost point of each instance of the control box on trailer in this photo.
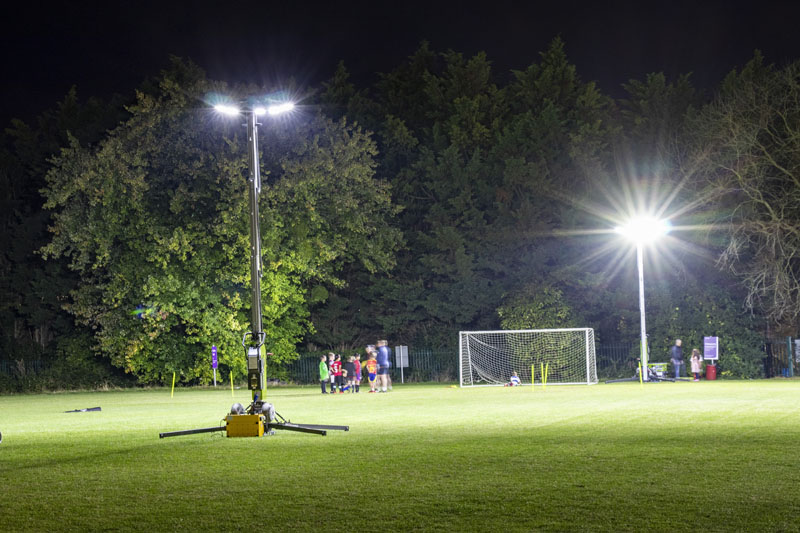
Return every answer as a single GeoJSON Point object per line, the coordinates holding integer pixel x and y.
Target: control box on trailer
{"type": "Point", "coordinates": [244, 425]}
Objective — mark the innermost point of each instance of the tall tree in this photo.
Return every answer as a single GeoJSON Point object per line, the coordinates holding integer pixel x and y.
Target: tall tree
{"type": "Point", "coordinates": [32, 291]}
{"type": "Point", "coordinates": [747, 148]}
{"type": "Point", "coordinates": [479, 170]}
{"type": "Point", "coordinates": [154, 222]}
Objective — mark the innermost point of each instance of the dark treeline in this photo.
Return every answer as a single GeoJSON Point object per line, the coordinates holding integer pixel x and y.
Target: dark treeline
{"type": "Point", "coordinates": [435, 200]}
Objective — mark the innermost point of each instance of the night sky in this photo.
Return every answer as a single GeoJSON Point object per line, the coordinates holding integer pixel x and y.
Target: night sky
{"type": "Point", "coordinates": [106, 47]}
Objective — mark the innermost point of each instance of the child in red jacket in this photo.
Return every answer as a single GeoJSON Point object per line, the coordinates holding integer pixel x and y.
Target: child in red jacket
{"type": "Point", "coordinates": [336, 368]}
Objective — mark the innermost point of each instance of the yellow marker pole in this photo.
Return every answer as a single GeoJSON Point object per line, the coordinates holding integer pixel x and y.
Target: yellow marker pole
{"type": "Point", "coordinates": [546, 371]}
{"type": "Point", "coordinates": [172, 392]}
{"type": "Point", "coordinates": [641, 383]}
{"type": "Point", "coordinates": [544, 376]}
{"type": "Point", "coordinates": [231, 383]}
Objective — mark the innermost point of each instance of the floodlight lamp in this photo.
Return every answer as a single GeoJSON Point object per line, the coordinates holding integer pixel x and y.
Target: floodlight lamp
{"type": "Point", "coordinates": [260, 110]}
{"type": "Point", "coordinates": [227, 109]}
{"type": "Point", "coordinates": [279, 109]}
{"type": "Point", "coordinates": [644, 230]}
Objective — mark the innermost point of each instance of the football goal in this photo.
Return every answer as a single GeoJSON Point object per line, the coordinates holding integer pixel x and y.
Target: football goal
{"type": "Point", "coordinates": [564, 356]}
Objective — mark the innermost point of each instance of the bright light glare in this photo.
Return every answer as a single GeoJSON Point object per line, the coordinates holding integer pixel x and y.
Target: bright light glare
{"type": "Point", "coordinates": [260, 110]}
{"type": "Point", "coordinates": [644, 230]}
{"type": "Point", "coordinates": [227, 109]}
{"type": "Point", "coordinates": [278, 109]}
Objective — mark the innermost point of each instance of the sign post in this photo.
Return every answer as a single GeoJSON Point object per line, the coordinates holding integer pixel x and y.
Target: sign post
{"type": "Point", "coordinates": [711, 353]}
{"type": "Point", "coordinates": [401, 359]}
{"type": "Point", "coordinates": [711, 348]}
{"type": "Point", "coordinates": [214, 363]}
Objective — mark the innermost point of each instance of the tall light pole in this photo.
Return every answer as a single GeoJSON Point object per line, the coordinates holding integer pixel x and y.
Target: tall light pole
{"type": "Point", "coordinates": [641, 231]}
{"type": "Point", "coordinates": [260, 415]}
{"type": "Point", "coordinates": [254, 339]}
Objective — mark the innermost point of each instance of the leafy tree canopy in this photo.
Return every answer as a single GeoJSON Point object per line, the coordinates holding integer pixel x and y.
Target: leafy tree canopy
{"type": "Point", "coordinates": [478, 169]}
{"type": "Point", "coordinates": [154, 221]}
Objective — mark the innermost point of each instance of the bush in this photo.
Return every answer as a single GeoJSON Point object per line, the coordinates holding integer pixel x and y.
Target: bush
{"type": "Point", "coordinates": [72, 364]}
{"type": "Point", "coordinates": [740, 359]}
{"type": "Point", "coordinates": [704, 310]}
{"type": "Point", "coordinates": [77, 366]}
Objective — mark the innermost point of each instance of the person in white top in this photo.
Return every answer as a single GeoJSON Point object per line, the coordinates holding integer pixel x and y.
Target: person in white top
{"type": "Point", "coordinates": [514, 381]}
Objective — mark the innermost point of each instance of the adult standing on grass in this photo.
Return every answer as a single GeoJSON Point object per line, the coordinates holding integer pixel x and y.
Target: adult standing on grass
{"type": "Point", "coordinates": [384, 363]}
{"type": "Point", "coordinates": [676, 356]}
{"type": "Point", "coordinates": [323, 373]}
{"type": "Point", "coordinates": [697, 364]}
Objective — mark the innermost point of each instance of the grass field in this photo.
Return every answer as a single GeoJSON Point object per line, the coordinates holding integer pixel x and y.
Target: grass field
{"type": "Point", "coordinates": [709, 456]}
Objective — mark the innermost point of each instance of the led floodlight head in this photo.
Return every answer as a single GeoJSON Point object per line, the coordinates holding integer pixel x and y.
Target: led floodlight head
{"type": "Point", "coordinates": [279, 109]}
{"type": "Point", "coordinates": [227, 109]}
{"type": "Point", "coordinates": [644, 230]}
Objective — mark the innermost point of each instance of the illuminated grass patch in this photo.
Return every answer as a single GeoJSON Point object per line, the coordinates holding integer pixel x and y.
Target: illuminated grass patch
{"type": "Point", "coordinates": [666, 457]}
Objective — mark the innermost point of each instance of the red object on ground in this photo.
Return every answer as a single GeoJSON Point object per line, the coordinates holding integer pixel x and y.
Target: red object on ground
{"type": "Point", "coordinates": [711, 372]}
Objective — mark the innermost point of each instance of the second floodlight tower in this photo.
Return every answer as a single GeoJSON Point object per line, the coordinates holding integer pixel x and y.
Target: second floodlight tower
{"type": "Point", "coordinates": [253, 340]}
{"type": "Point", "coordinates": [642, 231]}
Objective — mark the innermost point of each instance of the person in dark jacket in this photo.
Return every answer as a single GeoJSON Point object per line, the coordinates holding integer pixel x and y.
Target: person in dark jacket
{"type": "Point", "coordinates": [676, 356]}
{"type": "Point", "coordinates": [384, 364]}
{"type": "Point", "coordinates": [350, 372]}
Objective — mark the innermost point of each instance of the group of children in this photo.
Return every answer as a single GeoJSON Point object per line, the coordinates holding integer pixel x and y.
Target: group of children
{"type": "Point", "coordinates": [347, 377]}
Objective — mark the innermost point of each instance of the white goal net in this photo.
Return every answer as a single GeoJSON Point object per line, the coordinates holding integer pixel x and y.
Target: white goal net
{"type": "Point", "coordinates": [490, 357]}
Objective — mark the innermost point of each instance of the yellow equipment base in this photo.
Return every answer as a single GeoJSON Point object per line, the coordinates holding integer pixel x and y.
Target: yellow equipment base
{"type": "Point", "coordinates": [245, 425]}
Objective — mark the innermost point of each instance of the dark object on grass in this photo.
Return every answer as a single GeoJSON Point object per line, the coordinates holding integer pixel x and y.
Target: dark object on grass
{"type": "Point", "coordinates": [86, 410]}
{"type": "Point", "coordinates": [1, 437]}
{"type": "Point", "coordinates": [651, 376]}
{"type": "Point", "coordinates": [269, 415]}
{"type": "Point", "coordinates": [316, 429]}
{"type": "Point", "coordinates": [190, 432]}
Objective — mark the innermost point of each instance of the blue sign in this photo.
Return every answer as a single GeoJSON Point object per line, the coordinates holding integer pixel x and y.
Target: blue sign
{"type": "Point", "coordinates": [214, 357]}
{"type": "Point", "coordinates": [711, 348]}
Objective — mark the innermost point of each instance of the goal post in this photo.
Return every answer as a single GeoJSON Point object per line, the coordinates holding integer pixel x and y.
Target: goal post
{"type": "Point", "coordinates": [490, 357]}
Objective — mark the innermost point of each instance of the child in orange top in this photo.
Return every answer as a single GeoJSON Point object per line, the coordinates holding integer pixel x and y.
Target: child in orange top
{"type": "Point", "coordinates": [371, 365]}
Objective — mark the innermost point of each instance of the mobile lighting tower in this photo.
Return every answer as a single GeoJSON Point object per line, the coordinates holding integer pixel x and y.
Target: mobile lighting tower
{"type": "Point", "coordinates": [259, 415]}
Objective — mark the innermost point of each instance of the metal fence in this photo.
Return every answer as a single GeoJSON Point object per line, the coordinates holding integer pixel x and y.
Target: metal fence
{"type": "Point", "coordinates": [614, 360]}
{"type": "Point", "coordinates": [303, 370]}
{"type": "Point", "coordinates": [429, 364]}
{"type": "Point", "coordinates": [424, 364]}
{"type": "Point", "coordinates": [778, 357]}
{"type": "Point", "coordinates": [22, 367]}
{"type": "Point", "coordinates": [441, 364]}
